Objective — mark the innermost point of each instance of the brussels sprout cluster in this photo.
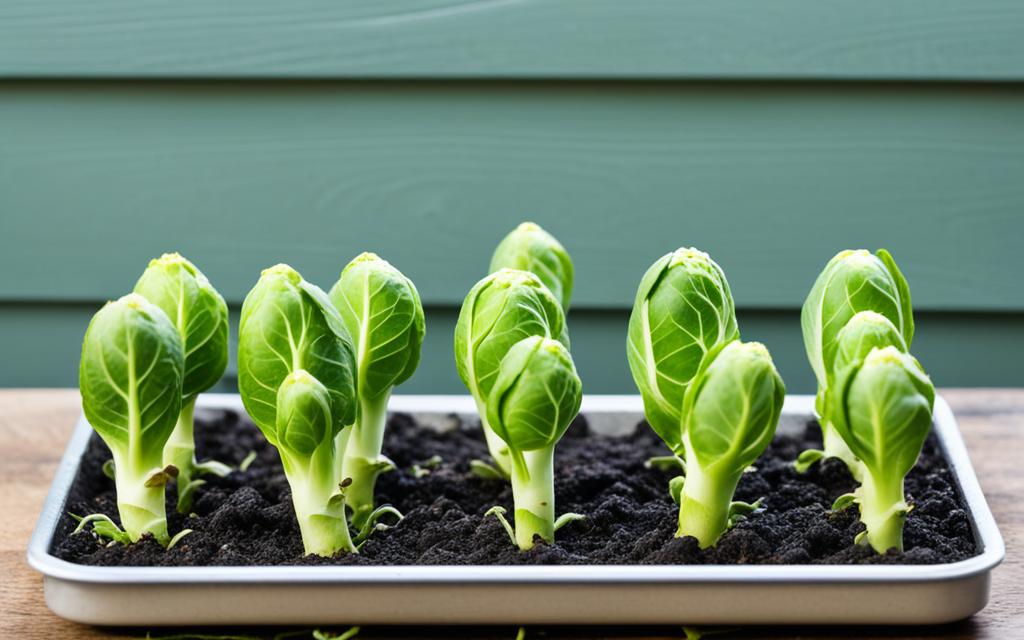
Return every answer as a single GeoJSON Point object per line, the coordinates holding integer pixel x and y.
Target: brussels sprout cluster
{"type": "Point", "coordinates": [714, 400]}
{"type": "Point", "coordinates": [874, 400]}
{"type": "Point", "coordinates": [316, 372]}
{"type": "Point", "coordinates": [512, 353]}
{"type": "Point", "coordinates": [145, 359]}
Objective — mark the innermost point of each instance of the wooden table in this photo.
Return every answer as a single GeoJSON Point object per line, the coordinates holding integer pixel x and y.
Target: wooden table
{"type": "Point", "coordinates": [35, 424]}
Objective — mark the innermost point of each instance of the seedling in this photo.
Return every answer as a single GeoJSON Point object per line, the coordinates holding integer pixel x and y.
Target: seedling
{"type": "Point", "coordinates": [865, 331]}
{"type": "Point", "coordinates": [296, 375]}
{"type": "Point", "coordinates": [883, 410]}
{"type": "Point", "coordinates": [130, 378]}
{"type": "Point", "coordinates": [535, 398]}
{"type": "Point", "coordinates": [851, 282]}
{"type": "Point", "coordinates": [382, 311]}
{"type": "Point", "coordinates": [499, 311]}
{"type": "Point", "coordinates": [730, 413]}
{"type": "Point", "coordinates": [200, 316]}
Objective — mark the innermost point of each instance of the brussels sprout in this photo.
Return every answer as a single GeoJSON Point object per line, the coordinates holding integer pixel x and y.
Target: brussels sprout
{"type": "Point", "coordinates": [852, 281]}
{"type": "Point", "coordinates": [200, 316]}
{"type": "Point", "coordinates": [499, 311]}
{"type": "Point", "coordinates": [130, 377]}
{"type": "Point", "coordinates": [865, 331]}
{"type": "Point", "coordinates": [730, 413]}
{"type": "Point", "coordinates": [535, 398]}
{"type": "Point", "coordinates": [530, 248]}
{"type": "Point", "coordinates": [296, 375]}
{"type": "Point", "coordinates": [883, 410]}
{"type": "Point", "coordinates": [382, 311]}
{"type": "Point", "coordinates": [683, 310]}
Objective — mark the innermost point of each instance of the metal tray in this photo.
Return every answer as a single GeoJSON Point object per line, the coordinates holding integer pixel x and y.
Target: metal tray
{"type": "Point", "coordinates": [676, 594]}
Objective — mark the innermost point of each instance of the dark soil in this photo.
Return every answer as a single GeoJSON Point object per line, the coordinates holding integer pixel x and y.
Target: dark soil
{"type": "Point", "coordinates": [246, 518]}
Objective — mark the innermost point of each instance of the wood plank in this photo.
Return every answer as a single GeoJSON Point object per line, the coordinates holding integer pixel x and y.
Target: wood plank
{"type": "Point", "coordinates": [38, 423]}
{"type": "Point", "coordinates": [908, 39]}
{"type": "Point", "coordinates": [97, 178]}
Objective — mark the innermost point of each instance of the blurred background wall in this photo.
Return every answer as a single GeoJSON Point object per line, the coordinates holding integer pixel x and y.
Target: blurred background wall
{"type": "Point", "coordinates": [770, 135]}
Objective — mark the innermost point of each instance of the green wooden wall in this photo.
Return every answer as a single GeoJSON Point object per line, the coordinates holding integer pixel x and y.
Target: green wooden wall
{"type": "Point", "coordinates": [245, 134]}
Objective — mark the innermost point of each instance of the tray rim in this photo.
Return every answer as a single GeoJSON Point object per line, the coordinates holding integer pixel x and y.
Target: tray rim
{"type": "Point", "coordinates": [983, 523]}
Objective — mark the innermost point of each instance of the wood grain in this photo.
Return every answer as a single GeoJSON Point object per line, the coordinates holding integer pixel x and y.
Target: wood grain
{"type": "Point", "coordinates": [35, 424]}
{"type": "Point", "coordinates": [909, 39]}
{"type": "Point", "coordinates": [772, 180]}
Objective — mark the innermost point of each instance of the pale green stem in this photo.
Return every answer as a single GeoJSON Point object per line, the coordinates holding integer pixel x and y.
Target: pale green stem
{"type": "Point", "coordinates": [319, 509]}
{"type": "Point", "coordinates": [141, 508]}
{"type": "Point", "coordinates": [180, 451]}
{"type": "Point", "coordinates": [495, 445]}
{"type": "Point", "coordinates": [533, 492]}
{"type": "Point", "coordinates": [704, 503]}
{"type": "Point", "coordinates": [836, 447]}
{"type": "Point", "coordinates": [883, 510]}
{"type": "Point", "coordinates": [362, 460]}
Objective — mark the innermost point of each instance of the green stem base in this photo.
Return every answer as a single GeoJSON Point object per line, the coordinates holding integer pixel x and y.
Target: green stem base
{"type": "Point", "coordinates": [362, 460]}
{"type": "Point", "coordinates": [140, 508]}
{"type": "Point", "coordinates": [883, 510]}
{"type": "Point", "coordinates": [533, 492]}
{"type": "Point", "coordinates": [704, 504]}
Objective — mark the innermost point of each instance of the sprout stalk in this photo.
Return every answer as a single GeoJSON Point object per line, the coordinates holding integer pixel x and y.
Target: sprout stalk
{"type": "Point", "coordinates": [704, 504]}
{"type": "Point", "coordinates": [140, 507]}
{"type": "Point", "coordinates": [362, 460]}
{"type": "Point", "coordinates": [319, 503]}
{"type": "Point", "coordinates": [534, 496]}
{"type": "Point", "coordinates": [883, 510]}
{"type": "Point", "coordinates": [180, 451]}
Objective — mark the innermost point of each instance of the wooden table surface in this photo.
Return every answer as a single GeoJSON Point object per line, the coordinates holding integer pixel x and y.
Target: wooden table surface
{"type": "Point", "coordinates": [35, 425]}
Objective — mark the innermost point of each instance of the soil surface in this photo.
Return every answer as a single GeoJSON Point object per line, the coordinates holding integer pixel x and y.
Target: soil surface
{"type": "Point", "coordinates": [247, 519]}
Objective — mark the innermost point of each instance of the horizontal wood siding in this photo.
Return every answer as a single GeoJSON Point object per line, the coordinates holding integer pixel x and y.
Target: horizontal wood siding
{"type": "Point", "coordinates": [96, 178]}
{"type": "Point", "coordinates": [41, 343]}
{"type": "Point", "coordinates": [819, 39]}
{"type": "Point", "coordinates": [771, 134]}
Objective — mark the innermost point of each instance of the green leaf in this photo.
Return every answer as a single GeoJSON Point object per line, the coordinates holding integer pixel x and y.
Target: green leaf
{"type": "Point", "coordinates": [498, 312]}
{"type": "Point", "coordinates": [382, 312]}
{"type": "Point", "coordinates": [844, 501]}
{"type": "Point", "coordinates": [683, 309]}
{"type": "Point", "coordinates": [499, 513]}
{"type": "Point", "coordinates": [103, 527]}
{"type": "Point", "coordinates": [247, 461]}
{"type": "Point", "coordinates": [131, 378]}
{"type": "Point", "coordinates": [536, 396]}
{"type": "Point", "coordinates": [884, 410]}
{"type": "Point", "coordinates": [852, 281]}
{"type": "Point", "coordinates": [530, 248]}
{"type": "Point", "coordinates": [289, 325]}
{"type": "Point", "coordinates": [485, 470]}
{"type": "Point", "coordinates": [907, 317]}
{"type": "Point", "coordinates": [732, 408]}
{"type": "Point", "coordinates": [675, 488]}
{"type": "Point", "coordinates": [666, 463]}
{"type": "Point", "coordinates": [567, 518]}
{"type": "Point", "coordinates": [865, 331]}
{"type": "Point", "coordinates": [177, 538]}
{"type": "Point", "coordinates": [806, 460]}
{"type": "Point", "coordinates": [198, 313]}
{"type": "Point", "coordinates": [303, 413]}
